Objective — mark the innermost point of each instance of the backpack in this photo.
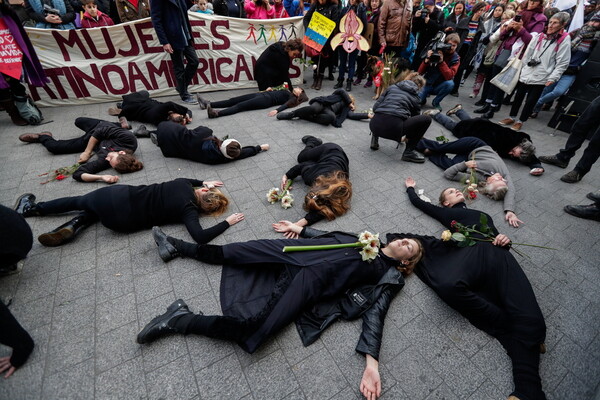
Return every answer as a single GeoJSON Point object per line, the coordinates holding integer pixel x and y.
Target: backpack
{"type": "Point", "coordinates": [28, 110]}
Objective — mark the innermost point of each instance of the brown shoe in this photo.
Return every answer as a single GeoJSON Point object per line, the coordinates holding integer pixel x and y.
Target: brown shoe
{"type": "Point", "coordinates": [114, 111]}
{"type": "Point", "coordinates": [33, 137]}
{"type": "Point", "coordinates": [517, 126]}
{"type": "Point", "coordinates": [506, 121]}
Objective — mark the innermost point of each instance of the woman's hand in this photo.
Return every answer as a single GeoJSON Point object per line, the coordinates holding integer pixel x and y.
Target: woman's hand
{"type": "Point", "coordinates": [265, 147]}
{"type": "Point", "coordinates": [84, 157]}
{"type": "Point", "coordinates": [289, 229]}
{"type": "Point", "coordinates": [370, 384]}
{"type": "Point", "coordinates": [549, 83]}
{"type": "Point", "coordinates": [284, 180]}
{"type": "Point", "coordinates": [269, 89]}
{"type": "Point", "coordinates": [512, 219]}
{"type": "Point", "coordinates": [471, 164]}
{"type": "Point", "coordinates": [5, 365]}
{"type": "Point", "coordinates": [234, 218]}
{"type": "Point", "coordinates": [410, 182]}
{"type": "Point", "coordinates": [272, 113]}
{"type": "Point", "coordinates": [352, 106]}
{"type": "Point", "coordinates": [212, 184]}
{"type": "Point", "coordinates": [501, 240]}
{"type": "Point", "coordinates": [110, 179]}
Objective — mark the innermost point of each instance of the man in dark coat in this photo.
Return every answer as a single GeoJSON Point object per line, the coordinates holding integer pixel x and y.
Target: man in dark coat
{"type": "Point", "coordinates": [174, 32]}
{"type": "Point", "coordinates": [426, 23]}
{"type": "Point", "coordinates": [507, 142]}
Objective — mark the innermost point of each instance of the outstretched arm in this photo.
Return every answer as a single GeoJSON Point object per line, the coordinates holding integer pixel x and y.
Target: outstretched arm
{"type": "Point", "coordinates": [370, 384]}
{"type": "Point", "coordinates": [439, 213]}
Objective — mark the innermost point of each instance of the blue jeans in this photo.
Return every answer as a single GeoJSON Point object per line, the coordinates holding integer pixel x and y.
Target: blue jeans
{"type": "Point", "coordinates": [554, 91]}
{"type": "Point", "coordinates": [351, 59]}
{"type": "Point", "coordinates": [448, 122]}
{"type": "Point", "coordinates": [461, 147]}
{"type": "Point", "coordinates": [442, 90]}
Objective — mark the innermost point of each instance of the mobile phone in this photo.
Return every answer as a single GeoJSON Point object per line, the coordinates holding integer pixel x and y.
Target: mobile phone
{"type": "Point", "coordinates": [517, 18]}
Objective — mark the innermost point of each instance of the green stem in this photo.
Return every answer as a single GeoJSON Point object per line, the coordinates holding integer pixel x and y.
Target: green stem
{"type": "Point", "coordinates": [288, 249]}
{"type": "Point", "coordinates": [534, 245]}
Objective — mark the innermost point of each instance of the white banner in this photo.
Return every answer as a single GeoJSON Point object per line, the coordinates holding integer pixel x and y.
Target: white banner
{"type": "Point", "coordinates": [102, 64]}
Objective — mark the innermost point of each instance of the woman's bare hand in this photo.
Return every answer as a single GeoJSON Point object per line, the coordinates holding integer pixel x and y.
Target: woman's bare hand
{"type": "Point", "coordinates": [272, 113]}
{"type": "Point", "coordinates": [501, 240]}
{"type": "Point", "coordinates": [5, 365]}
{"type": "Point", "coordinates": [234, 218]}
{"type": "Point", "coordinates": [410, 182]}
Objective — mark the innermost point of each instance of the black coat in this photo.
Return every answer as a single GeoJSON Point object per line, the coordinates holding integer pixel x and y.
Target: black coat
{"type": "Point", "coordinates": [272, 67]}
{"type": "Point", "coordinates": [220, 8]}
{"type": "Point", "coordinates": [400, 99]}
{"type": "Point", "coordinates": [426, 31]}
{"type": "Point", "coordinates": [500, 138]}
{"type": "Point", "coordinates": [138, 106]}
{"type": "Point", "coordinates": [253, 285]}
{"type": "Point", "coordinates": [339, 101]}
{"type": "Point", "coordinates": [198, 144]}
{"type": "Point", "coordinates": [15, 236]}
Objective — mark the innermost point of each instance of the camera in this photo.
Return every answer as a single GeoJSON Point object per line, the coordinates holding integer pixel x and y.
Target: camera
{"type": "Point", "coordinates": [533, 63]}
{"type": "Point", "coordinates": [436, 44]}
{"type": "Point", "coordinates": [50, 10]}
{"type": "Point", "coordinates": [424, 12]}
{"type": "Point", "coordinates": [517, 18]}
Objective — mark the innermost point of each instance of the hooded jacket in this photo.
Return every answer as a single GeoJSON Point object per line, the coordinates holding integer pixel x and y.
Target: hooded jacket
{"type": "Point", "coordinates": [401, 100]}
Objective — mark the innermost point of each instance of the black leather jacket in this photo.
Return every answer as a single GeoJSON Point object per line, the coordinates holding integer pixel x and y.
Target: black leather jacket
{"type": "Point", "coordinates": [371, 302]}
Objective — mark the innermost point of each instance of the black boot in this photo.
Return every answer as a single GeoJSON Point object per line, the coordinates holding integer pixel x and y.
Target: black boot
{"type": "Point", "coordinates": [486, 107]}
{"type": "Point", "coordinates": [339, 84]}
{"type": "Point", "coordinates": [374, 142]}
{"type": "Point", "coordinates": [285, 115]}
{"type": "Point", "coordinates": [412, 155]}
{"type": "Point", "coordinates": [13, 112]}
{"type": "Point", "coordinates": [319, 82]}
{"type": "Point", "coordinates": [141, 132]}
{"type": "Point", "coordinates": [26, 206]}
{"type": "Point", "coordinates": [480, 102]}
{"type": "Point", "coordinates": [164, 324]}
{"type": "Point", "coordinates": [66, 232]}
{"type": "Point", "coordinates": [349, 85]}
{"type": "Point", "coordinates": [211, 112]}
{"type": "Point", "coordinates": [166, 250]}
{"type": "Point", "coordinates": [311, 141]}
{"type": "Point", "coordinates": [315, 79]}
{"type": "Point", "coordinates": [202, 102]}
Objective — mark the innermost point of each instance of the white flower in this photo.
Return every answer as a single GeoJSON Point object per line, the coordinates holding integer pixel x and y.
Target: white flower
{"type": "Point", "coordinates": [369, 253]}
{"type": "Point", "coordinates": [367, 237]}
{"type": "Point", "coordinates": [446, 235]}
{"type": "Point", "coordinates": [287, 201]}
{"type": "Point", "coordinates": [314, 67]}
{"type": "Point", "coordinates": [273, 195]}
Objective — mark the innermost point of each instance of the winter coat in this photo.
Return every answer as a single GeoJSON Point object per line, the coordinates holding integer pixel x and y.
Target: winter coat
{"type": "Point", "coordinates": [401, 100]}
{"type": "Point", "coordinates": [102, 20]}
{"type": "Point", "coordinates": [35, 9]}
{"type": "Point", "coordinates": [249, 292]}
{"type": "Point", "coordinates": [395, 23]}
{"type": "Point", "coordinates": [339, 102]}
{"type": "Point", "coordinates": [254, 11]}
{"type": "Point", "coordinates": [171, 23]}
{"type": "Point", "coordinates": [554, 59]}
{"type": "Point", "coordinates": [220, 8]}
{"type": "Point", "coordinates": [427, 31]}
{"type": "Point", "coordinates": [272, 67]}
{"type": "Point", "coordinates": [128, 12]}
{"type": "Point", "coordinates": [444, 71]}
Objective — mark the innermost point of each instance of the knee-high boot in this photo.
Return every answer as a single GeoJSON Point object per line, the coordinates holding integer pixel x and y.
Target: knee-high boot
{"type": "Point", "coordinates": [13, 112]}
{"type": "Point", "coordinates": [68, 231]}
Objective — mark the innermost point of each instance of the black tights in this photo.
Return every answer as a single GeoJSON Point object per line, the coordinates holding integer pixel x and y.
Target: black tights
{"type": "Point", "coordinates": [393, 128]}
{"type": "Point", "coordinates": [247, 102]}
{"type": "Point", "coordinates": [533, 93]}
{"type": "Point", "coordinates": [316, 112]}
{"type": "Point", "coordinates": [76, 145]}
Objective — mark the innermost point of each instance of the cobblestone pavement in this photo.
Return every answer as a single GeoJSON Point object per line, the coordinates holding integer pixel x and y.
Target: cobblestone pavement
{"type": "Point", "coordinates": [84, 303]}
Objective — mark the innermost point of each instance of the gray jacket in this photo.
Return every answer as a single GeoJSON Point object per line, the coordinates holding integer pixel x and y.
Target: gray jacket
{"type": "Point", "coordinates": [400, 100]}
{"type": "Point", "coordinates": [488, 163]}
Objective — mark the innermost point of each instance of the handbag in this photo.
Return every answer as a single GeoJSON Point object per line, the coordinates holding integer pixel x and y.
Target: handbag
{"type": "Point", "coordinates": [310, 52]}
{"type": "Point", "coordinates": [502, 58]}
{"type": "Point", "coordinates": [508, 78]}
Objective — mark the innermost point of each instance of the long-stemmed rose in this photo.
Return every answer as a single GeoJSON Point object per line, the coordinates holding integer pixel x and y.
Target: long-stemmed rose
{"type": "Point", "coordinates": [464, 235]}
{"type": "Point", "coordinates": [366, 240]}
{"type": "Point", "coordinates": [60, 173]}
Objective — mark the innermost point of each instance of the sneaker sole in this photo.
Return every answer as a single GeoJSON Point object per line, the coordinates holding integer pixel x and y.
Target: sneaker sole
{"type": "Point", "coordinates": [57, 238]}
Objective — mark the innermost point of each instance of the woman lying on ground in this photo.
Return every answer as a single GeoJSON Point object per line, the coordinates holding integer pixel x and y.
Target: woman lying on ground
{"type": "Point", "coordinates": [472, 154]}
{"type": "Point", "coordinates": [112, 145]}
{"type": "Point", "coordinates": [124, 208]}
{"type": "Point", "coordinates": [397, 117]}
{"type": "Point", "coordinates": [138, 106]}
{"type": "Point", "coordinates": [300, 286]}
{"type": "Point", "coordinates": [327, 110]}
{"type": "Point", "coordinates": [325, 168]}
{"type": "Point", "coordinates": [255, 101]}
{"type": "Point", "coordinates": [487, 286]}
{"type": "Point", "coordinates": [507, 142]}
{"type": "Point", "coordinates": [198, 144]}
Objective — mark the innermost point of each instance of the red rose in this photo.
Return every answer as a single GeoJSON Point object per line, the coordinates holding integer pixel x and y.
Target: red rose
{"type": "Point", "coordinates": [60, 177]}
{"type": "Point", "coordinates": [472, 195]}
{"type": "Point", "coordinates": [453, 223]}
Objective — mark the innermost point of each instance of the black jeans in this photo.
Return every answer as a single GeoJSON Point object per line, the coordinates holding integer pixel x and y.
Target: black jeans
{"type": "Point", "coordinates": [588, 121]}
{"type": "Point", "coordinates": [184, 75]}
{"type": "Point", "coordinates": [461, 147]}
{"type": "Point", "coordinates": [71, 146]}
{"type": "Point", "coordinates": [393, 128]}
{"type": "Point", "coordinates": [247, 102]}
{"type": "Point", "coordinates": [533, 93]}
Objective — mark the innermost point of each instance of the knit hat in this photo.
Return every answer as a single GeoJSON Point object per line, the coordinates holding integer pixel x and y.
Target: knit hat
{"type": "Point", "coordinates": [224, 145]}
{"type": "Point", "coordinates": [596, 17]}
{"type": "Point", "coordinates": [429, 3]}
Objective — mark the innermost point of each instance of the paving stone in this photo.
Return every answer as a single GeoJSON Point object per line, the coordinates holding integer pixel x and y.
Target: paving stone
{"type": "Point", "coordinates": [172, 381]}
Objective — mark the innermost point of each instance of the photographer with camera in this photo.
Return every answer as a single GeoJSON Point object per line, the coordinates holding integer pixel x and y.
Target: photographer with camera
{"type": "Point", "coordinates": [51, 14]}
{"type": "Point", "coordinates": [426, 23]}
{"type": "Point", "coordinates": [439, 68]}
{"type": "Point", "coordinates": [546, 58]}
{"type": "Point", "coordinates": [259, 9]}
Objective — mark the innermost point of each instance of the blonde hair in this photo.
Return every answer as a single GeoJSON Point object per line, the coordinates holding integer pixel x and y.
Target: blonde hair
{"type": "Point", "coordinates": [212, 202]}
{"type": "Point", "coordinates": [416, 78]}
{"type": "Point", "coordinates": [330, 195]}
{"type": "Point", "coordinates": [408, 268]}
{"type": "Point", "coordinates": [495, 194]}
